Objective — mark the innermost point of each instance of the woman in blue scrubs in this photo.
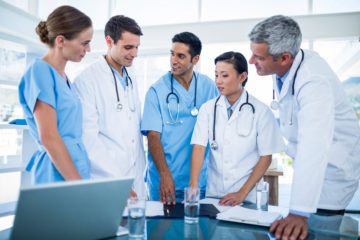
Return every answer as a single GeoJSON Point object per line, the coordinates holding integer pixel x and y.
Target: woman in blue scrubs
{"type": "Point", "coordinates": [51, 107]}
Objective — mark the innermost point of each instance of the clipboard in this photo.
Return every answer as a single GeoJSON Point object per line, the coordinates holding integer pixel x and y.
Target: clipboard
{"type": "Point", "coordinates": [177, 210]}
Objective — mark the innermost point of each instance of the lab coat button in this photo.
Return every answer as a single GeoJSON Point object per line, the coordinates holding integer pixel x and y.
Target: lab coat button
{"type": "Point", "coordinates": [132, 140]}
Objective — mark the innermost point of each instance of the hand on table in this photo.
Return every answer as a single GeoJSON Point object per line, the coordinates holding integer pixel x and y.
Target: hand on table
{"type": "Point", "coordinates": [232, 199]}
{"type": "Point", "coordinates": [291, 227]}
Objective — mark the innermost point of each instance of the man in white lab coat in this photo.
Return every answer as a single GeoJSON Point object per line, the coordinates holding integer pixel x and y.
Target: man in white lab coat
{"type": "Point", "coordinates": [317, 120]}
{"type": "Point", "coordinates": [111, 107]}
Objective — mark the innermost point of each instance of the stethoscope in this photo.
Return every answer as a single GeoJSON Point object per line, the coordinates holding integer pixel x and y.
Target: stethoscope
{"type": "Point", "coordinates": [119, 105]}
{"type": "Point", "coordinates": [194, 111]}
{"type": "Point", "coordinates": [275, 104]}
{"type": "Point", "coordinates": [214, 145]}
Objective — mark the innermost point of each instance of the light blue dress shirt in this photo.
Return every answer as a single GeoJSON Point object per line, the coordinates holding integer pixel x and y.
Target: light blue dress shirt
{"type": "Point", "coordinates": [175, 137]}
{"type": "Point", "coordinates": [121, 79]}
{"type": "Point", "coordinates": [231, 107]}
{"type": "Point", "coordinates": [280, 80]}
{"type": "Point", "coordinates": [42, 82]}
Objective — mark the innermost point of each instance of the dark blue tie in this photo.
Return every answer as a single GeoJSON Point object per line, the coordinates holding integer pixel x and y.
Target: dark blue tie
{"type": "Point", "coordinates": [230, 111]}
{"type": "Point", "coordinates": [279, 83]}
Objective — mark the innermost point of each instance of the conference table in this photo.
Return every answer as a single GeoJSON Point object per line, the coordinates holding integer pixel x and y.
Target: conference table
{"type": "Point", "coordinates": [320, 227]}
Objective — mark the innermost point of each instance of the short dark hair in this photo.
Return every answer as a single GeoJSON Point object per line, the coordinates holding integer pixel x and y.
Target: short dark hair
{"type": "Point", "coordinates": [237, 60]}
{"type": "Point", "coordinates": [119, 24]}
{"type": "Point", "coordinates": [64, 20]}
{"type": "Point", "coordinates": [191, 40]}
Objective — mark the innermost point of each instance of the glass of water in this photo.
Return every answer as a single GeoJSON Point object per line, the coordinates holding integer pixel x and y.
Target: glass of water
{"type": "Point", "coordinates": [262, 196]}
{"type": "Point", "coordinates": [191, 204]}
{"type": "Point", "coordinates": [136, 217]}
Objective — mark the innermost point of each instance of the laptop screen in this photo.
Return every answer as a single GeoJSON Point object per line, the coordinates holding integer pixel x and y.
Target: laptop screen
{"type": "Point", "coordinates": [87, 209]}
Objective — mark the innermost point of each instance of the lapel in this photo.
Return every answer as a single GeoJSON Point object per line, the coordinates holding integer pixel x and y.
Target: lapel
{"type": "Point", "coordinates": [287, 85]}
{"type": "Point", "coordinates": [236, 111]}
{"type": "Point", "coordinates": [222, 105]}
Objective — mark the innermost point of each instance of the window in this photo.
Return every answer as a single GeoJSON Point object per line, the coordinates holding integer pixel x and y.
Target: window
{"type": "Point", "coordinates": [234, 9]}
{"type": "Point", "coordinates": [335, 6]}
{"type": "Point", "coordinates": [158, 12]}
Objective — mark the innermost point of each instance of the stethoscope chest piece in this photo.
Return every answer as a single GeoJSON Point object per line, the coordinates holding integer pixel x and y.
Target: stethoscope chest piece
{"type": "Point", "coordinates": [119, 107]}
{"type": "Point", "coordinates": [214, 145]}
{"type": "Point", "coordinates": [194, 112]}
{"type": "Point", "coordinates": [274, 105]}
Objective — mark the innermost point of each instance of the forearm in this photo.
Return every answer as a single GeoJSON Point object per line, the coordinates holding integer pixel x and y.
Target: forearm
{"type": "Point", "coordinates": [197, 160]}
{"type": "Point", "coordinates": [60, 156]}
{"type": "Point", "coordinates": [157, 152]}
{"type": "Point", "coordinates": [46, 120]}
{"type": "Point", "coordinates": [258, 172]}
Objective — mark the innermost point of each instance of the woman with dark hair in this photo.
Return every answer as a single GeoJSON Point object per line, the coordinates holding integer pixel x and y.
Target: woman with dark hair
{"type": "Point", "coordinates": [242, 133]}
{"type": "Point", "coordinates": [51, 107]}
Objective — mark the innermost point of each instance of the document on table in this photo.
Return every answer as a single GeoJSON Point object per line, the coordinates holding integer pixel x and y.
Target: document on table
{"type": "Point", "coordinates": [215, 202]}
{"type": "Point", "coordinates": [249, 216]}
{"type": "Point", "coordinates": [153, 209]}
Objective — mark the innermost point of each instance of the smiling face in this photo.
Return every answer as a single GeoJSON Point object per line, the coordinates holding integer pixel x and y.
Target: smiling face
{"type": "Point", "coordinates": [180, 59]}
{"type": "Point", "coordinates": [75, 49]}
{"type": "Point", "coordinates": [263, 61]}
{"type": "Point", "coordinates": [125, 49]}
{"type": "Point", "coordinates": [228, 80]}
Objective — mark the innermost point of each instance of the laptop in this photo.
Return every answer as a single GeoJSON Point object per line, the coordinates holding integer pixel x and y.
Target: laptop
{"type": "Point", "coordinates": [87, 209]}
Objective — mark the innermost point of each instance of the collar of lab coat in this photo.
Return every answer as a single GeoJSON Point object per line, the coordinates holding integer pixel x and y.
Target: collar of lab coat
{"type": "Point", "coordinates": [221, 104]}
{"type": "Point", "coordinates": [287, 85]}
{"type": "Point", "coordinates": [105, 67]}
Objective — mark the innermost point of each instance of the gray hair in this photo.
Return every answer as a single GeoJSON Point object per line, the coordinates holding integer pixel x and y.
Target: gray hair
{"type": "Point", "coordinates": [281, 33]}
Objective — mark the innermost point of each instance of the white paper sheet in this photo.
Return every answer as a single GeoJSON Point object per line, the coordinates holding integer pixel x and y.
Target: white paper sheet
{"type": "Point", "coordinates": [153, 208]}
{"type": "Point", "coordinates": [215, 202]}
{"type": "Point", "coordinates": [249, 216]}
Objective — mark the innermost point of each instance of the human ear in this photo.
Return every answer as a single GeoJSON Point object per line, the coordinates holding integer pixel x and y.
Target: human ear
{"type": "Point", "coordinates": [195, 59]}
{"type": "Point", "coordinates": [243, 77]}
{"type": "Point", "coordinates": [109, 41]}
{"type": "Point", "coordinates": [60, 40]}
{"type": "Point", "coordinates": [286, 58]}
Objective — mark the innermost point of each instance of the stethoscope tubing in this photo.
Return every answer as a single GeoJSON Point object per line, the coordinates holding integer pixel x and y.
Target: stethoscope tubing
{"type": "Point", "coordinates": [172, 93]}
{"type": "Point", "coordinates": [241, 106]}
{"type": "Point", "coordinates": [127, 80]}
{"type": "Point", "coordinates": [295, 75]}
{"type": "Point", "coordinates": [274, 104]}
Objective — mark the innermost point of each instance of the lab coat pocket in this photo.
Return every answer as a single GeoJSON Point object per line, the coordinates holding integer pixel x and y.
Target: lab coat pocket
{"type": "Point", "coordinates": [339, 166]}
{"type": "Point", "coordinates": [245, 122]}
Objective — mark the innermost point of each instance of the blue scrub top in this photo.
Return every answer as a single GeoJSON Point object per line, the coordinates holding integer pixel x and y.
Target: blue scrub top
{"type": "Point", "coordinates": [175, 137]}
{"type": "Point", "coordinates": [42, 82]}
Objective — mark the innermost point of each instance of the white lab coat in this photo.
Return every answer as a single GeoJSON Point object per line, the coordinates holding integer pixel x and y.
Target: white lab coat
{"type": "Point", "coordinates": [112, 138]}
{"type": "Point", "coordinates": [232, 163]}
{"type": "Point", "coordinates": [324, 138]}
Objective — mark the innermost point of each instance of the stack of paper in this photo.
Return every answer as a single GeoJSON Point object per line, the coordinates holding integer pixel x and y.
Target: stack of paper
{"type": "Point", "coordinates": [249, 216]}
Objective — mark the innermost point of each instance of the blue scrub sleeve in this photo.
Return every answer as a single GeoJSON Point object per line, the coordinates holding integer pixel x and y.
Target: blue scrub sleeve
{"type": "Point", "coordinates": [40, 86]}
{"type": "Point", "coordinates": [152, 118]}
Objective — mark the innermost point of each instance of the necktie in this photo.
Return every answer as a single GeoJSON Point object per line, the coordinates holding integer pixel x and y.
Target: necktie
{"type": "Point", "coordinates": [279, 83]}
{"type": "Point", "coordinates": [230, 111]}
